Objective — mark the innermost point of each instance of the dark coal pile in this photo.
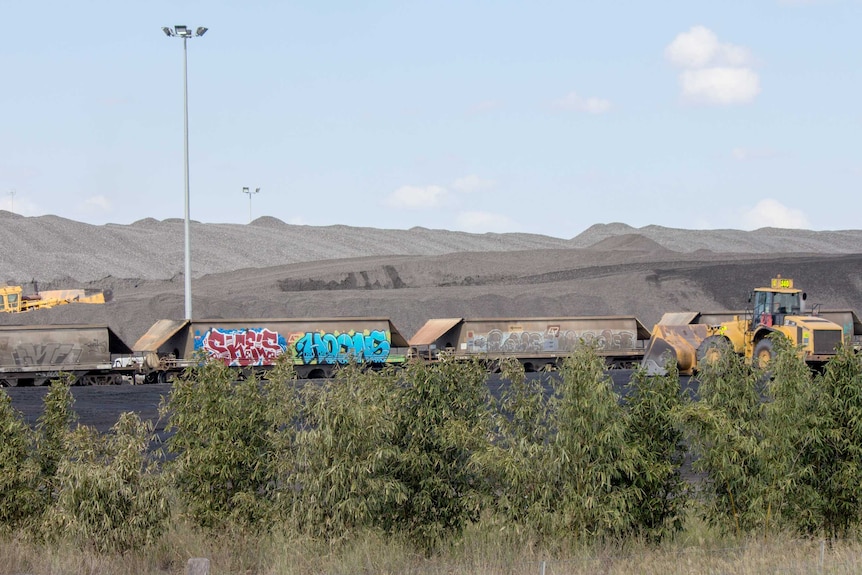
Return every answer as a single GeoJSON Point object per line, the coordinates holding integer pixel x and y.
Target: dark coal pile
{"type": "Point", "coordinates": [269, 269]}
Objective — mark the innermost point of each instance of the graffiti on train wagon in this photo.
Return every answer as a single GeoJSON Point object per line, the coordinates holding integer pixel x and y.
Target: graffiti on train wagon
{"type": "Point", "coordinates": [553, 339]}
{"type": "Point", "coordinates": [341, 347]}
{"type": "Point", "coordinates": [242, 347]}
{"type": "Point", "coordinates": [46, 354]}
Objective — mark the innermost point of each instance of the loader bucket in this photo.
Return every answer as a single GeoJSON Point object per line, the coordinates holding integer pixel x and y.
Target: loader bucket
{"type": "Point", "coordinates": [676, 342]}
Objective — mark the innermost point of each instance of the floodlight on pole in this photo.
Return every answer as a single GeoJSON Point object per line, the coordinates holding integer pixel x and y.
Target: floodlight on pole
{"type": "Point", "coordinates": [248, 191]}
{"type": "Point", "coordinates": [185, 33]}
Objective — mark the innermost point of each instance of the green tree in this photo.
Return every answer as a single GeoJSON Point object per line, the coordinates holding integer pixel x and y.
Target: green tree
{"type": "Point", "coordinates": [834, 452]}
{"type": "Point", "coordinates": [515, 463]}
{"type": "Point", "coordinates": [441, 422]}
{"type": "Point", "coordinates": [792, 422]}
{"type": "Point", "coordinates": [344, 453]}
{"type": "Point", "coordinates": [53, 426]}
{"type": "Point", "coordinates": [592, 461]}
{"type": "Point", "coordinates": [110, 495]}
{"type": "Point", "coordinates": [225, 443]}
{"type": "Point", "coordinates": [20, 472]}
{"type": "Point", "coordinates": [727, 431]}
{"type": "Point", "coordinates": [654, 429]}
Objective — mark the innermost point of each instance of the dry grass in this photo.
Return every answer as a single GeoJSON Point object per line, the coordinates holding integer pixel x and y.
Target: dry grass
{"type": "Point", "coordinates": [482, 551]}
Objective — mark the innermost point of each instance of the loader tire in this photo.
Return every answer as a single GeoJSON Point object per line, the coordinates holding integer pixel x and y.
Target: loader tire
{"type": "Point", "coordinates": [711, 350]}
{"type": "Point", "coordinates": [763, 354]}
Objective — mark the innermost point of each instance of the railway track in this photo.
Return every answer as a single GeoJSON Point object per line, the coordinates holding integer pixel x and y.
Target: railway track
{"type": "Point", "coordinates": [101, 406]}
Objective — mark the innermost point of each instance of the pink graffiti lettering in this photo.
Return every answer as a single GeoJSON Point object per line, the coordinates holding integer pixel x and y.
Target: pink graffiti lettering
{"type": "Point", "coordinates": [242, 347]}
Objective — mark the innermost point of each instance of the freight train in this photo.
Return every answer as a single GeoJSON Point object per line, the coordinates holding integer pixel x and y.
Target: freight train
{"type": "Point", "coordinates": [90, 355]}
{"type": "Point", "coordinates": [33, 355]}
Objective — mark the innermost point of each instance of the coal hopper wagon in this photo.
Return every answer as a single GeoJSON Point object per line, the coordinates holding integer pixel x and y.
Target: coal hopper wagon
{"type": "Point", "coordinates": [317, 346]}
{"type": "Point", "coordinates": [87, 354]}
{"type": "Point", "coordinates": [538, 342]}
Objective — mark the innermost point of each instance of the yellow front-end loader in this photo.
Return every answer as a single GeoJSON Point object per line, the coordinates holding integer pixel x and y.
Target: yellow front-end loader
{"type": "Point", "coordinates": [693, 339]}
{"type": "Point", "coordinates": [13, 300]}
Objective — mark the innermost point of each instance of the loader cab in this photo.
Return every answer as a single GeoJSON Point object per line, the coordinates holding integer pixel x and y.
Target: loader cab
{"type": "Point", "coordinates": [772, 304]}
{"type": "Point", "coordinates": [10, 299]}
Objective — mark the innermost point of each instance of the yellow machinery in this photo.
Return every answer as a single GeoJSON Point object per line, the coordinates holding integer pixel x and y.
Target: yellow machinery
{"type": "Point", "coordinates": [13, 300]}
{"type": "Point", "coordinates": [694, 338]}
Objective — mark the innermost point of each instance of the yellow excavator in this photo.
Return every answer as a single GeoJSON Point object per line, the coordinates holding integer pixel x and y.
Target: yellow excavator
{"type": "Point", "coordinates": [694, 338]}
{"type": "Point", "coordinates": [13, 300]}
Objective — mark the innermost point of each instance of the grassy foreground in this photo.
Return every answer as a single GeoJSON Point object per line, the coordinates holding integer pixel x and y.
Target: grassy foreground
{"type": "Point", "coordinates": [422, 471]}
{"type": "Point", "coordinates": [482, 551]}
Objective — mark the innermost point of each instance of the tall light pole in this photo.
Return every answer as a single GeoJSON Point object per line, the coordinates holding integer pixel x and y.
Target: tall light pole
{"type": "Point", "coordinates": [185, 33]}
{"type": "Point", "coordinates": [12, 201]}
{"type": "Point", "coordinates": [249, 192]}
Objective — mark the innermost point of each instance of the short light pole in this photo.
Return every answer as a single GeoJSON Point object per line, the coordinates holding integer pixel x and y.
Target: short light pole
{"type": "Point", "coordinates": [185, 33]}
{"type": "Point", "coordinates": [249, 192]}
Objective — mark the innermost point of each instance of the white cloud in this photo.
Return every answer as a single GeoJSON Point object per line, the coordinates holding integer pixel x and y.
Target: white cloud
{"type": "Point", "coordinates": [744, 154]}
{"type": "Point", "coordinates": [481, 222]}
{"type": "Point", "coordinates": [7, 203]}
{"type": "Point", "coordinates": [100, 203]}
{"type": "Point", "coordinates": [591, 105]}
{"type": "Point", "coordinates": [720, 85]}
{"type": "Point", "coordinates": [713, 72]}
{"type": "Point", "coordinates": [485, 106]}
{"type": "Point", "coordinates": [472, 183]}
{"type": "Point", "coordinates": [774, 214]}
{"type": "Point", "coordinates": [418, 197]}
{"type": "Point", "coordinates": [700, 48]}
{"type": "Point", "coordinates": [18, 204]}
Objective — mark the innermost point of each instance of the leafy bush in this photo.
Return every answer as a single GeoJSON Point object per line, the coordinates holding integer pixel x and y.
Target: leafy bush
{"type": "Point", "coordinates": [726, 427]}
{"type": "Point", "coordinates": [782, 450]}
{"type": "Point", "coordinates": [421, 453]}
{"type": "Point", "coordinates": [515, 463]}
{"type": "Point", "coordinates": [227, 440]}
{"type": "Point", "coordinates": [20, 473]}
{"type": "Point", "coordinates": [53, 426]}
{"type": "Point", "coordinates": [441, 421]}
{"type": "Point", "coordinates": [655, 431]}
{"type": "Point", "coordinates": [584, 461]}
{"type": "Point", "coordinates": [344, 453]}
{"type": "Point", "coordinates": [591, 460]}
{"type": "Point", "coordinates": [833, 453]}
{"type": "Point", "coordinates": [792, 417]}
{"type": "Point", "coordinates": [109, 496]}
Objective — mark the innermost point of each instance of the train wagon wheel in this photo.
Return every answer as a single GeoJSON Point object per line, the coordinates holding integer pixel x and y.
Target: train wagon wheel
{"type": "Point", "coordinates": [317, 373]}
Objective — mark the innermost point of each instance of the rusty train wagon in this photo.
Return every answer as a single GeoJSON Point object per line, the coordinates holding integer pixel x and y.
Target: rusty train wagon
{"type": "Point", "coordinates": [34, 355]}
{"type": "Point", "coordinates": [317, 345]}
{"type": "Point", "coordinates": [537, 342]}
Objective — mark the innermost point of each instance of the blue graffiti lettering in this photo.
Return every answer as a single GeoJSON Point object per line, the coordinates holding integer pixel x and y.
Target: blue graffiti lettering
{"type": "Point", "coordinates": [341, 348]}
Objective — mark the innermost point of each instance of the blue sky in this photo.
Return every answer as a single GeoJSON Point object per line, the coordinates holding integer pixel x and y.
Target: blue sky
{"type": "Point", "coordinates": [506, 116]}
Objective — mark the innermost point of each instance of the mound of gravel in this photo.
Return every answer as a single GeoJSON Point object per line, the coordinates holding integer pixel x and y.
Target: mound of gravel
{"type": "Point", "coordinates": [269, 269]}
{"type": "Point", "coordinates": [48, 248]}
{"type": "Point", "coordinates": [762, 241]}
